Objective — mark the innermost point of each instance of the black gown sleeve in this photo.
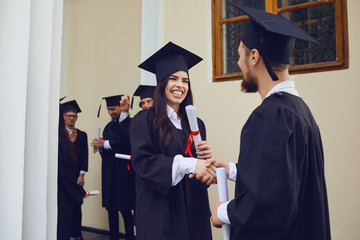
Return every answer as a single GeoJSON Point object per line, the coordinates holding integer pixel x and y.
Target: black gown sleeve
{"type": "Point", "coordinates": [154, 168]}
{"type": "Point", "coordinates": [267, 185]}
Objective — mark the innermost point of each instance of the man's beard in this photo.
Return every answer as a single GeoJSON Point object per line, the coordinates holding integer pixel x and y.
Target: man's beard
{"type": "Point", "coordinates": [249, 84]}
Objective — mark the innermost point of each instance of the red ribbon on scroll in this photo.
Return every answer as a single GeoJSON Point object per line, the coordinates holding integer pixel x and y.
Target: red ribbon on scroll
{"type": "Point", "coordinates": [190, 141]}
{"type": "Point", "coordinates": [128, 164]}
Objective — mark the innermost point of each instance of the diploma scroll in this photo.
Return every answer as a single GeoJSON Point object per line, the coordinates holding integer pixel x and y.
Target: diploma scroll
{"type": "Point", "coordinates": [194, 127]}
{"type": "Point", "coordinates": [221, 176]}
{"type": "Point", "coordinates": [123, 156]}
{"type": "Point", "coordinates": [98, 130]}
{"type": "Point", "coordinates": [91, 193]}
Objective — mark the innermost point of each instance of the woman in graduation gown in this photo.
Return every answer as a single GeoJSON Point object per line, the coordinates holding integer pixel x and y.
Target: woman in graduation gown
{"type": "Point", "coordinates": [169, 204]}
{"type": "Point", "coordinates": [70, 194]}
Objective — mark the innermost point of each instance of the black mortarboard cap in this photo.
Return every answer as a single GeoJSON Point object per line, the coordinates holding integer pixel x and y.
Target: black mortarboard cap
{"type": "Point", "coordinates": [273, 35]}
{"type": "Point", "coordinates": [170, 59]}
{"type": "Point", "coordinates": [111, 102]}
{"type": "Point", "coordinates": [71, 106]}
{"type": "Point", "coordinates": [143, 91]}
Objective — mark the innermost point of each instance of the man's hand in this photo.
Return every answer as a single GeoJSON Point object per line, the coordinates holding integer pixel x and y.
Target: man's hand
{"type": "Point", "coordinates": [214, 219]}
{"type": "Point", "coordinates": [203, 150]}
{"type": "Point", "coordinates": [125, 104]}
{"type": "Point", "coordinates": [204, 174]}
{"type": "Point", "coordinates": [97, 143]}
{"type": "Point", "coordinates": [218, 163]}
{"type": "Point", "coordinates": [81, 180]}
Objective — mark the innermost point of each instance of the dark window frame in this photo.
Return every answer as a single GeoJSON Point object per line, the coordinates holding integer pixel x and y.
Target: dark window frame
{"type": "Point", "coordinates": [341, 26]}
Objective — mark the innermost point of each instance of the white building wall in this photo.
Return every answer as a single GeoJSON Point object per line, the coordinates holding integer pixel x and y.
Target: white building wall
{"type": "Point", "coordinates": [30, 40]}
{"type": "Point", "coordinates": [14, 44]}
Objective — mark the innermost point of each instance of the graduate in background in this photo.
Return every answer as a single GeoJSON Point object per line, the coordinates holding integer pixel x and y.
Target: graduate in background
{"type": "Point", "coordinates": [70, 193]}
{"type": "Point", "coordinates": [146, 94]}
{"type": "Point", "coordinates": [170, 205]}
{"type": "Point", "coordinates": [118, 187]}
{"type": "Point", "coordinates": [280, 190]}
{"type": "Point", "coordinates": [79, 139]}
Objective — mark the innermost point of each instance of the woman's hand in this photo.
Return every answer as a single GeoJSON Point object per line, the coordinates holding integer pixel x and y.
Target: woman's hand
{"type": "Point", "coordinates": [203, 150]}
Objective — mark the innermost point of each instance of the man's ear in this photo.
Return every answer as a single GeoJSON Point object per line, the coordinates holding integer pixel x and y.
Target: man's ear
{"type": "Point", "coordinates": [254, 56]}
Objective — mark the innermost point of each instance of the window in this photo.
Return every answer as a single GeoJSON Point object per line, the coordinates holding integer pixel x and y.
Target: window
{"type": "Point", "coordinates": [325, 20]}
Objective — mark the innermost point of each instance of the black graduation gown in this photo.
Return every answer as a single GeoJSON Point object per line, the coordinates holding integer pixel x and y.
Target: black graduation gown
{"type": "Point", "coordinates": [70, 194]}
{"type": "Point", "coordinates": [280, 190]}
{"type": "Point", "coordinates": [163, 211]}
{"type": "Point", "coordinates": [118, 183]}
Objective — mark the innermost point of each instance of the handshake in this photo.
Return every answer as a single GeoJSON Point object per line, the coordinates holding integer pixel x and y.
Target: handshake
{"type": "Point", "coordinates": [205, 170]}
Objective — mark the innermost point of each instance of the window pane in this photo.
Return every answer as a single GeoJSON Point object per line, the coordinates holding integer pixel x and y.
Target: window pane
{"type": "Point", "coordinates": [230, 11]}
{"type": "Point", "coordinates": [319, 22]}
{"type": "Point", "coordinates": [287, 3]}
{"type": "Point", "coordinates": [232, 34]}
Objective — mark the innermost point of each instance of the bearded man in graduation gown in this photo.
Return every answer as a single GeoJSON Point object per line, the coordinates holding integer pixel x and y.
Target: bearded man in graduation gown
{"type": "Point", "coordinates": [280, 188]}
{"type": "Point", "coordinates": [118, 177]}
{"type": "Point", "coordinates": [80, 141]}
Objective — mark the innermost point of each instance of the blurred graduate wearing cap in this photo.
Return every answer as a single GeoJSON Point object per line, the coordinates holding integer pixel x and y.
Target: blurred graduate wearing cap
{"type": "Point", "coordinates": [118, 187]}
{"type": "Point", "coordinates": [280, 190]}
{"type": "Point", "coordinates": [170, 205]}
{"type": "Point", "coordinates": [79, 139]}
{"type": "Point", "coordinates": [146, 94]}
{"type": "Point", "coordinates": [70, 193]}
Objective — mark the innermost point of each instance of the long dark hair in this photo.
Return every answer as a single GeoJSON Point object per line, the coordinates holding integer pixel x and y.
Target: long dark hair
{"type": "Point", "coordinates": [162, 121]}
